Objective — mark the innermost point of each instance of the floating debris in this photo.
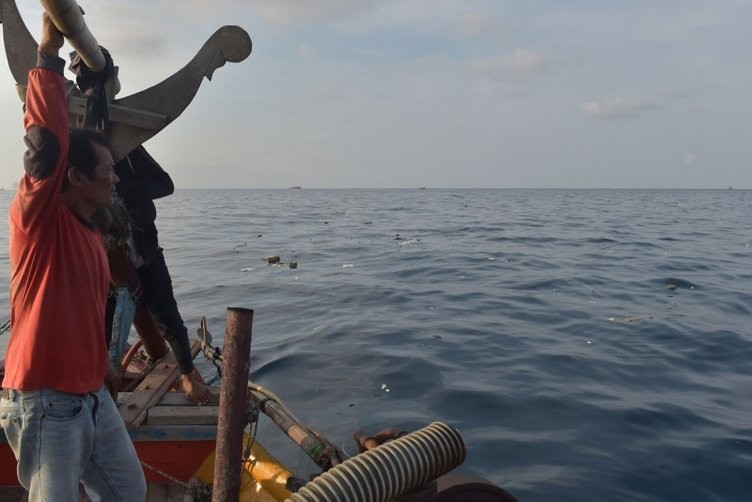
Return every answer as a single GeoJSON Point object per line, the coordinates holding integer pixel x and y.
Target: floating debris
{"type": "Point", "coordinates": [366, 222]}
{"type": "Point", "coordinates": [347, 265]}
{"type": "Point", "coordinates": [411, 241]}
{"type": "Point", "coordinates": [289, 264]}
{"type": "Point", "coordinates": [631, 319]}
{"type": "Point", "coordinates": [276, 262]}
{"type": "Point", "coordinates": [245, 271]}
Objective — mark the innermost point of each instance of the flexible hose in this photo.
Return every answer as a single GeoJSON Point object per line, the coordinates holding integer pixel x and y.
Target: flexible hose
{"type": "Point", "coordinates": [394, 468]}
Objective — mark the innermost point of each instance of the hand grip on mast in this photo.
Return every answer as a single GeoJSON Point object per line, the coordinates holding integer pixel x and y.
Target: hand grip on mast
{"type": "Point", "coordinates": [69, 19]}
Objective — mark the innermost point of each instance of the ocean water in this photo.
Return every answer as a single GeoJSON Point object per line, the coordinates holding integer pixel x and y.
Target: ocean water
{"type": "Point", "coordinates": [588, 344]}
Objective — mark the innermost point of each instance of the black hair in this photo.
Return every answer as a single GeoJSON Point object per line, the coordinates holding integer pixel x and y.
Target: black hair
{"type": "Point", "coordinates": [81, 153]}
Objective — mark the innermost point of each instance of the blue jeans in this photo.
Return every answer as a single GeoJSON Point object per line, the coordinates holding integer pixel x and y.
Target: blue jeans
{"type": "Point", "coordinates": [125, 311]}
{"type": "Point", "coordinates": [60, 439]}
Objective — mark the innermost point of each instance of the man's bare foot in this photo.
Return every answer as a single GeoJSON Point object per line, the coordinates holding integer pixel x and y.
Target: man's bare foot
{"type": "Point", "coordinates": [195, 388]}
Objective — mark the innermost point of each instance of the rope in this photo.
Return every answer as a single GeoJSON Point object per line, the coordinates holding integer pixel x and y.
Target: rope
{"type": "Point", "coordinates": [5, 327]}
{"type": "Point", "coordinates": [252, 420]}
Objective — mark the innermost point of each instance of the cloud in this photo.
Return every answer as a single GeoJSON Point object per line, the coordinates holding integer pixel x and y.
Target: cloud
{"type": "Point", "coordinates": [475, 25]}
{"type": "Point", "coordinates": [308, 51]}
{"type": "Point", "coordinates": [520, 65]}
{"type": "Point", "coordinates": [286, 12]}
{"type": "Point", "coordinates": [509, 75]}
{"type": "Point", "coordinates": [618, 107]}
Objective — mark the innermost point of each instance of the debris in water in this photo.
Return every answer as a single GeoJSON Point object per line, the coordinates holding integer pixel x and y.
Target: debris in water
{"type": "Point", "coordinates": [270, 259]}
{"type": "Point", "coordinates": [289, 264]}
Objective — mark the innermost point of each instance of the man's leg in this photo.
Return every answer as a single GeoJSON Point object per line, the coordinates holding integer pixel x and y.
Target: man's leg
{"type": "Point", "coordinates": [51, 434]}
{"type": "Point", "coordinates": [160, 298]}
{"type": "Point", "coordinates": [114, 471]}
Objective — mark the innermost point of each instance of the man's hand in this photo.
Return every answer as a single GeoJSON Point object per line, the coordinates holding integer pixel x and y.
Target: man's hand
{"type": "Point", "coordinates": [52, 39]}
{"type": "Point", "coordinates": [195, 388]}
{"type": "Point", "coordinates": [113, 381]}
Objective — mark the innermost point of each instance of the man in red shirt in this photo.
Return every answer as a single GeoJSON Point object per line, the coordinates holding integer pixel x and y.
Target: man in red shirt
{"type": "Point", "coordinates": [59, 419]}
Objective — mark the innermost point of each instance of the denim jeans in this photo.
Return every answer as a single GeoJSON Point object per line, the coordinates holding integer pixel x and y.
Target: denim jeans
{"type": "Point", "coordinates": [125, 311]}
{"type": "Point", "coordinates": [60, 439]}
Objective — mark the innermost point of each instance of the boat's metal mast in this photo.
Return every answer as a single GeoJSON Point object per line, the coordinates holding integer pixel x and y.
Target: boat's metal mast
{"type": "Point", "coordinates": [67, 16]}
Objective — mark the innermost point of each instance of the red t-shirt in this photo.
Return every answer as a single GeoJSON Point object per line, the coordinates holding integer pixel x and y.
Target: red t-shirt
{"type": "Point", "coordinates": [59, 272]}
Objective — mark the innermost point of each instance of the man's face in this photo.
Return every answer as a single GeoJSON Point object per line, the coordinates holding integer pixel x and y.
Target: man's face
{"type": "Point", "coordinates": [101, 190]}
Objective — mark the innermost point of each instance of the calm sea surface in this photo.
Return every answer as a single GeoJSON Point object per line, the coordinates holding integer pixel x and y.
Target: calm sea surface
{"type": "Point", "coordinates": [588, 344]}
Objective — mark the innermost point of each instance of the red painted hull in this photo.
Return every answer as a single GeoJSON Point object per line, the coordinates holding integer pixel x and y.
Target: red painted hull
{"type": "Point", "coordinates": [177, 459]}
{"type": "Point", "coordinates": [7, 466]}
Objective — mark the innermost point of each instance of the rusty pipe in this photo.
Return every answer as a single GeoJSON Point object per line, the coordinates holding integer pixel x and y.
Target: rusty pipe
{"type": "Point", "coordinates": [232, 399]}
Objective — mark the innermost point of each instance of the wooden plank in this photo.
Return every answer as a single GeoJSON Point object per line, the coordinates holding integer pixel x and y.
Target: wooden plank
{"type": "Point", "coordinates": [177, 493]}
{"type": "Point", "coordinates": [180, 399]}
{"type": "Point", "coordinates": [151, 390]}
{"type": "Point", "coordinates": [167, 492]}
{"type": "Point", "coordinates": [175, 398]}
{"type": "Point", "coordinates": [174, 433]}
{"type": "Point", "coordinates": [156, 492]}
{"type": "Point", "coordinates": [13, 494]}
{"type": "Point", "coordinates": [148, 393]}
{"type": "Point", "coordinates": [182, 415]}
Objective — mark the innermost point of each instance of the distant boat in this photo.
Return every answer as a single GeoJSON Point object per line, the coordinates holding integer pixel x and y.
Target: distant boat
{"type": "Point", "coordinates": [295, 188]}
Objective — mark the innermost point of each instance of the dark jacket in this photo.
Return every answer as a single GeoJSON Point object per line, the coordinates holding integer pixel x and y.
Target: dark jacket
{"type": "Point", "coordinates": [141, 181]}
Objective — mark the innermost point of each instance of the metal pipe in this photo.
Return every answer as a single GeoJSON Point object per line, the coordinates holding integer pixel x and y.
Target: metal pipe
{"type": "Point", "coordinates": [232, 399]}
{"type": "Point", "coordinates": [317, 448]}
{"type": "Point", "coordinates": [68, 18]}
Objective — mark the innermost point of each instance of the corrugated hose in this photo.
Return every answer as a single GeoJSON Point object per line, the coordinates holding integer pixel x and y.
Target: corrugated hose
{"type": "Point", "coordinates": [389, 470]}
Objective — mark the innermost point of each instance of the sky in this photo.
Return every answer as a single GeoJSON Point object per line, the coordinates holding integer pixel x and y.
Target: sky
{"type": "Point", "coordinates": [438, 93]}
